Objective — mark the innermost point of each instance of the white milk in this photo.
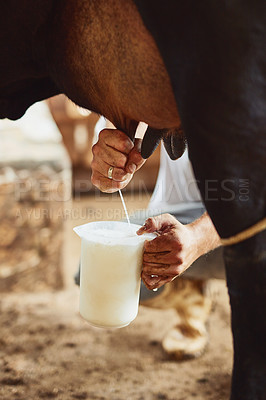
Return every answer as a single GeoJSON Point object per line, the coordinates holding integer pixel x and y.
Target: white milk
{"type": "Point", "coordinates": [111, 261]}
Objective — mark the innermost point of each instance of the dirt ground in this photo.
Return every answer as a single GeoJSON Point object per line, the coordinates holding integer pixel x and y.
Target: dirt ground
{"type": "Point", "coordinates": [48, 352]}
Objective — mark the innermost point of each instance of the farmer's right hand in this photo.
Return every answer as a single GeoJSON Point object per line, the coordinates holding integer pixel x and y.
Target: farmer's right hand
{"type": "Point", "coordinates": [116, 153]}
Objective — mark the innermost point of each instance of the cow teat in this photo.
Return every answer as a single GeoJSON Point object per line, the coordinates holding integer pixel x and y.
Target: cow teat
{"type": "Point", "coordinates": [174, 142]}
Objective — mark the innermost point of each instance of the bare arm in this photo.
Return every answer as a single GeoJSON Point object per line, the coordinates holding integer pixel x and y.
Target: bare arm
{"type": "Point", "coordinates": [205, 234]}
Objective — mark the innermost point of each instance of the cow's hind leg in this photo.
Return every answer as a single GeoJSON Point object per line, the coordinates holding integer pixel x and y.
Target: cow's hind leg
{"type": "Point", "coordinates": [246, 280]}
{"type": "Point", "coordinates": [189, 337]}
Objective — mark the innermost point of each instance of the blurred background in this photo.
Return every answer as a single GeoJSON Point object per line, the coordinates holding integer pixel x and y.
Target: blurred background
{"type": "Point", "coordinates": [45, 190]}
{"type": "Point", "coordinates": [46, 350]}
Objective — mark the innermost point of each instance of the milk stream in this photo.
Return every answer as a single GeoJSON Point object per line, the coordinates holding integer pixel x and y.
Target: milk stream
{"type": "Point", "coordinates": [125, 209]}
{"type": "Point", "coordinates": [124, 205]}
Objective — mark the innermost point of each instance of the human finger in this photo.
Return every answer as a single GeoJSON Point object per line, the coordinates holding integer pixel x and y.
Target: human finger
{"type": "Point", "coordinates": [161, 269]}
{"type": "Point", "coordinates": [135, 161]}
{"type": "Point", "coordinates": [162, 243]}
{"type": "Point", "coordinates": [116, 139]}
{"type": "Point", "coordinates": [107, 185]}
{"type": "Point", "coordinates": [151, 225]}
{"type": "Point", "coordinates": [160, 223]}
{"type": "Point", "coordinates": [167, 257]}
{"type": "Point", "coordinates": [117, 174]}
{"type": "Point", "coordinates": [153, 282]}
{"type": "Point", "coordinates": [109, 155]}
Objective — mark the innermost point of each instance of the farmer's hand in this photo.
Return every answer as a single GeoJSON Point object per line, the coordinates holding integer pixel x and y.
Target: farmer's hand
{"type": "Point", "coordinates": [114, 149]}
{"type": "Point", "coordinates": [176, 247]}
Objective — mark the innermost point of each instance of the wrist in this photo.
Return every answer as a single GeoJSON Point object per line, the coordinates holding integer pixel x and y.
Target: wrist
{"type": "Point", "coordinates": [197, 241]}
{"type": "Point", "coordinates": [204, 234]}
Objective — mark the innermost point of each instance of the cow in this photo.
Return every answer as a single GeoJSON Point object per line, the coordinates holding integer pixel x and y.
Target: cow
{"type": "Point", "coordinates": [201, 65]}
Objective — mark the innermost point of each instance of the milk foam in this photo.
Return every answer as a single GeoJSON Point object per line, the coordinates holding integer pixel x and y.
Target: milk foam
{"type": "Point", "coordinates": [111, 233]}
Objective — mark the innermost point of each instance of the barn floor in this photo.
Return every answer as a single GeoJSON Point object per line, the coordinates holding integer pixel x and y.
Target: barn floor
{"type": "Point", "coordinates": [48, 352]}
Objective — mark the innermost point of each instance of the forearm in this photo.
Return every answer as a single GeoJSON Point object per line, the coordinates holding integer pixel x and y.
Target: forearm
{"type": "Point", "coordinates": [205, 235]}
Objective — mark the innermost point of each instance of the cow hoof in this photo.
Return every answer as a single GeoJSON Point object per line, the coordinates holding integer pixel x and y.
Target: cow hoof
{"type": "Point", "coordinates": [185, 342]}
{"type": "Point", "coordinates": [189, 338]}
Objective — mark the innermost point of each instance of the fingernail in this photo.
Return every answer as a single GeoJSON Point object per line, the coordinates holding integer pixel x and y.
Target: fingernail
{"type": "Point", "coordinates": [142, 229]}
{"type": "Point", "coordinates": [155, 281]}
{"type": "Point", "coordinates": [124, 178]}
{"type": "Point", "coordinates": [132, 168]}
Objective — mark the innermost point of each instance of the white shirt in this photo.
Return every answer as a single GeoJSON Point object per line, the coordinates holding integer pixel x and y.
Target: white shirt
{"type": "Point", "coordinates": [175, 184]}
